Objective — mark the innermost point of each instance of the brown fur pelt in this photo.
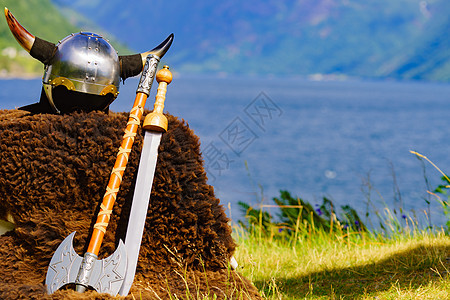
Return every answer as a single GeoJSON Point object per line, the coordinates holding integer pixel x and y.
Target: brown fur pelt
{"type": "Point", "coordinates": [53, 175]}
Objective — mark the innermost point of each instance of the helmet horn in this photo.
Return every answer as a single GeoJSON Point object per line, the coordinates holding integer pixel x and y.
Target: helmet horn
{"type": "Point", "coordinates": [132, 65]}
{"type": "Point", "coordinates": [25, 39]}
{"type": "Point", "coordinates": [159, 50]}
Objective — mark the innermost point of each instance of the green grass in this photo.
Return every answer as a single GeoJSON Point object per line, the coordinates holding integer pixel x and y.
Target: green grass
{"type": "Point", "coordinates": [410, 265]}
{"type": "Point", "coordinates": [323, 252]}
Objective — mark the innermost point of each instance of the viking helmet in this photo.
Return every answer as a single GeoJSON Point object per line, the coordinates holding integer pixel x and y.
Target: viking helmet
{"type": "Point", "coordinates": [85, 63]}
{"type": "Point", "coordinates": [83, 71]}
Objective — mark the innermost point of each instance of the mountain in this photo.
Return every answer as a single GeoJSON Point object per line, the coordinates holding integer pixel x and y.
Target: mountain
{"type": "Point", "coordinates": [402, 39]}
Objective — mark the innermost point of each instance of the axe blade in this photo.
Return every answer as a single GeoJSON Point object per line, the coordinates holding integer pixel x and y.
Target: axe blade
{"type": "Point", "coordinates": [64, 265]}
{"type": "Point", "coordinates": [107, 275]}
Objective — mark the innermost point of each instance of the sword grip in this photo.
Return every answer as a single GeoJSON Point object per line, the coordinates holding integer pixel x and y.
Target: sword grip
{"type": "Point", "coordinates": [156, 121]}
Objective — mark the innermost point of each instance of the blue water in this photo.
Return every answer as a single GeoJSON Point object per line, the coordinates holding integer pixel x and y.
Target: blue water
{"type": "Point", "coordinates": [313, 138]}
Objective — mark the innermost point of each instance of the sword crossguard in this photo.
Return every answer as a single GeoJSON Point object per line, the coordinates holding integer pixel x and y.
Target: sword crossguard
{"type": "Point", "coordinates": [156, 121]}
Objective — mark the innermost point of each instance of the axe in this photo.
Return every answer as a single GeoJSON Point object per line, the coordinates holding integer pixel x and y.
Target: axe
{"type": "Point", "coordinates": [106, 275]}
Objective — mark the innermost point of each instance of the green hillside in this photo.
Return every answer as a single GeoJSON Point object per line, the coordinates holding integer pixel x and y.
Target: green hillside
{"type": "Point", "coordinates": [42, 19]}
{"type": "Point", "coordinates": [401, 39]}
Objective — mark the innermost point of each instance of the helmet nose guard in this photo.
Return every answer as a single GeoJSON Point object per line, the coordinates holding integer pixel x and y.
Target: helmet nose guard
{"type": "Point", "coordinates": [83, 62]}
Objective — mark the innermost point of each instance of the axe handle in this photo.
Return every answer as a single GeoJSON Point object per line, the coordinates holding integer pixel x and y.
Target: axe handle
{"type": "Point", "coordinates": [116, 175]}
{"type": "Point", "coordinates": [115, 179]}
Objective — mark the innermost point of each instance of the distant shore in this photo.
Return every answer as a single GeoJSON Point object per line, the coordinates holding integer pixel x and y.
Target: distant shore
{"type": "Point", "coordinates": [27, 76]}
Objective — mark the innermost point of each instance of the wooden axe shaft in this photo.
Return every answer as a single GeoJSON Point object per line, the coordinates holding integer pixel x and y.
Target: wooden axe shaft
{"type": "Point", "coordinates": [115, 179]}
{"type": "Point", "coordinates": [116, 175]}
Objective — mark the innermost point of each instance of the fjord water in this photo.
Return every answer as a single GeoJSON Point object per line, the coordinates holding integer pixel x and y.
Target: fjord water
{"type": "Point", "coordinates": [346, 140]}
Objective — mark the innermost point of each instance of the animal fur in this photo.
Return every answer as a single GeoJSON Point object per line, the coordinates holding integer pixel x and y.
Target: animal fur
{"type": "Point", "coordinates": [53, 175]}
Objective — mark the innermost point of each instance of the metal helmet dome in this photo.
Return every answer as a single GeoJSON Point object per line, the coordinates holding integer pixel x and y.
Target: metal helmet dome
{"type": "Point", "coordinates": [83, 62]}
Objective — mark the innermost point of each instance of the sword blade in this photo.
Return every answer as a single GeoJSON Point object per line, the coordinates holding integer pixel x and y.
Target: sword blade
{"type": "Point", "coordinates": [139, 205]}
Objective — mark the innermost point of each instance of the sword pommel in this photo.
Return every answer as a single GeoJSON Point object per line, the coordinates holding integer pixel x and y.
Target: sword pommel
{"type": "Point", "coordinates": [156, 121]}
{"type": "Point", "coordinates": [164, 75]}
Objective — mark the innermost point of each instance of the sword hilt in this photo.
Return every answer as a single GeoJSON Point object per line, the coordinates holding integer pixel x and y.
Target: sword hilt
{"type": "Point", "coordinates": [156, 121]}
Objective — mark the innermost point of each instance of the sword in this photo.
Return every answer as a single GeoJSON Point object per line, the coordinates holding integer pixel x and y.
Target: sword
{"type": "Point", "coordinates": [155, 124]}
{"type": "Point", "coordinates": [106, 275]}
